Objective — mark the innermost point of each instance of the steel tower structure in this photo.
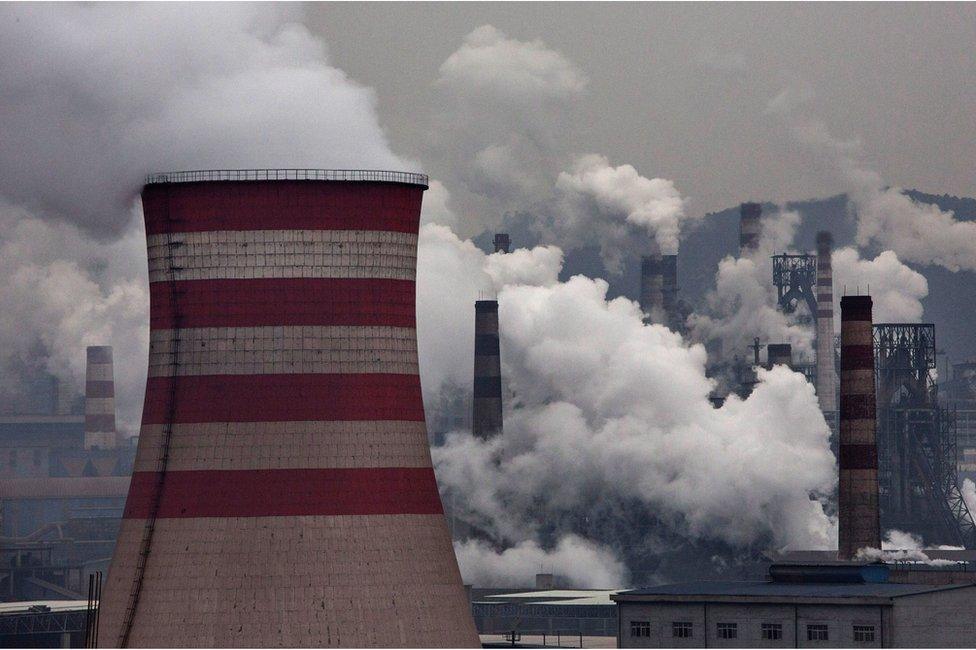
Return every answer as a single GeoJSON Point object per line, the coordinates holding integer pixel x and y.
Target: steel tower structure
{"type": "Point", "coordinates": [283, 492]}
{"type": "Point", "coordinates": [917, 440]}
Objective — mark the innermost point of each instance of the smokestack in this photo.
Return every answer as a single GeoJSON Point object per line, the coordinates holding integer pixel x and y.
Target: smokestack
{"type": "Point", "coordinates": [99, 398]}
{"type": "Point", "coordinates": [659, 288]}
{"type": "Point", "coordinates": [502, 242]}
{"type": "Point", "coordinates": [859, 515]}
{"type": "Point", "coordinates": [283, 476]}
{"type": "Point", "coordinates": [779, 354]}
{"type": "Point", "coordinates": [486, 413]}
{"type": "Point", "coordinates": [750, 228]}
{"type": "Point", "coordinates": [826, 375]}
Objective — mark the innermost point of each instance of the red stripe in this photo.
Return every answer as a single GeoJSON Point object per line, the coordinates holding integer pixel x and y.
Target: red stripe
{"type": "Point", "coordinates": [282, 301]}
{"type": "Point", "coordinates": [282, 398]}
{"type": "Point", "coordinates": [286, 492]}
{"type": "Point", "coordinates": [290, 205]}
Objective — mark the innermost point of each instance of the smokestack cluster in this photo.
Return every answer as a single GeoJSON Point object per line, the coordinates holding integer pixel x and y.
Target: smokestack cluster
{"type": "Point", "coordinates": [826, 377]}
{"type": "Point", "coordinates": [99, 398]}
{"type": "Point", "coordinates": [486, 413]}
{"type": "Point", "coordinates": [779, 354]}
{"type": "Point", "coordinates": [659, 289]}
{"type": "Point", "coordinates": [859, 515]}
{"type": "Point", "coordinates": [750, 228]}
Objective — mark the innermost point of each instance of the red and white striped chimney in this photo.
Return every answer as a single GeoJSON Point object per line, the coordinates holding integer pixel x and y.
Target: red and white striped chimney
{"type": "Point", "coordinates": [99, 398]}
{"type": "Point", "coordinates": [858, 510]}
{"type": "Point", "coordinates": [826, 374]}
{"type": "Point", "coordinates": [283, 492]}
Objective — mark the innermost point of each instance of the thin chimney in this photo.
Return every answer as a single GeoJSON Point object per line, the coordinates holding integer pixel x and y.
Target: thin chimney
{"type": "Point", "coordinates": [486, 412]}
{"type": "Point", "coordinates": [859, 514]}
{"type": "Point", "coordinates": [826, 374]}
{"type": "Point", "coordinates": [99, 398]}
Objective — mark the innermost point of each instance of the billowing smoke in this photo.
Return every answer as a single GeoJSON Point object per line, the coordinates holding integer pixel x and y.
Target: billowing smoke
{"type": "Point", "coordinates": [63, 291]}
{"type": "Point", "coordinates": [500, 144]}
{"type": "Point", "coordinates": [887, 218]}
{"type": "Point", "coordinates": [97, 96]}
{"type": "Point", "coordinates": [574, 559]}
{"type": "Point", "coordinates": [618, 208]}
{"type": "Point", "coordinates": [903, 547]}
{"type": "Point", "coordinates": [611, 438]}
{"type": "Point", "coordinates": [743, 304]}
{"type": "Point", "coordinates": [896, 290]}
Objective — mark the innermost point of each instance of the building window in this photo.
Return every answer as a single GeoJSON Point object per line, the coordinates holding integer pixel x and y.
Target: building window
{"type": "Point", "coordinates": [772, 631]}
{"type": "Point", "coordinates": [863, 634]}
{"type": "Point", "coordinates": [817, 632]}
{"type": "Point", "coordinates": [640, 628]}
{"type": "Point", "coordinates": [728, 631]}
{"type": "Point", "coordinates": [681, 630]}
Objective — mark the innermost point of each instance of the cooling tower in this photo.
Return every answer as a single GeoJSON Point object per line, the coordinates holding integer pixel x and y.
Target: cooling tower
{"type": "Point", "coordinates": [99, 398]}
{"type": "Point", "coordinates": [826, 374]}
{"type": "Point", "coordinates": [502, 242]}
{"type": "Point", "coordinates": [486, 410]}
{"type": "Point", "coordinates": [779, 354]}
{"type": "Point", "coordinates": [858, 510]}
{"type": "Point", "coordinates": [659, 288]}
{"type": "Point", "coordinates": [283, 492]}
{"type": "Point", "coordinates": [750, 227]}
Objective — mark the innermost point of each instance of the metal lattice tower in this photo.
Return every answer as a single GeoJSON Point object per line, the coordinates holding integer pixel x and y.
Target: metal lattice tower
{"type": "Point", "coordinates": [795, 277]}
{"type": "Point", "coordinates": [916, 440]}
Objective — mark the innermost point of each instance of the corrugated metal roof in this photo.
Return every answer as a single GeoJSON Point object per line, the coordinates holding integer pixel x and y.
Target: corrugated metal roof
{"type": "Point", "coordinates": [790, 590]}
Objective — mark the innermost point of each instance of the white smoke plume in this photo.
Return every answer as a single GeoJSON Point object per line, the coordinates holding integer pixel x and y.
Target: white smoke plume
{"type": "Point", "coordinates": [611, 417]}
{"type": "Point", "coordinates": [743, 304]}
{"type": "Point", "coordinates": [896, 290]}
{"type": "Point", "coordinates": [614, 205]}
{"type": "Point", "coordinates": [579, 561]}
{"type": "Point", "coordinates": [901, 546]}
{"type": "Point", "coordinates": [500, 143]}
{"type": "Point", "coordinates": [97, 96]}
{"type": "Point", "coordinates": [887, 217]}
{"type": "Point", "coordinates": [64, 291]}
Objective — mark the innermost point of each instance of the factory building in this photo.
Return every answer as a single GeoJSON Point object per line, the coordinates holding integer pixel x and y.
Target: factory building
{"type": "Point", "coordinates": [283, 492]}
{"type": "Point", "coordinates": [799, 606]}
{"type": "Point", "coordinates": [64, 475]}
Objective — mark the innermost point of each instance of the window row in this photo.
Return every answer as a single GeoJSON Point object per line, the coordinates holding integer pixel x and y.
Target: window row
{"type": "Point", "coordinates": [768, 631]}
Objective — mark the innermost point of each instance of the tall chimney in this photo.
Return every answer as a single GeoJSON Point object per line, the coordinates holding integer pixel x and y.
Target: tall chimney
{"type": "Point", "coordinates": [749, 227]}
{"type": "Point", "coordinates": [826, 375]}
{"type": "Point", "coordinates": [486, 413]}
{"type": "Point", "coordinates": [859, 515]}
{"type": "Point", "coordinates": [779, 354]}
{"type": "Point", "coordinates": [502, 242]}
{"type": "Point", "coordinates": [99, 398]}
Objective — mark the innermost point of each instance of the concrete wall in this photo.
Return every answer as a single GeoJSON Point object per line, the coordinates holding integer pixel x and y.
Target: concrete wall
{"type": "Point", "coordinates": [943, 619]}
{"type": "Point", "coordinates": [749, 618]}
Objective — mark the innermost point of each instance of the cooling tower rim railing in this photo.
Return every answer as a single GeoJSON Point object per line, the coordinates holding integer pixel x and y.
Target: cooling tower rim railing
{"type": "Point", "coordinates": [347, 175]}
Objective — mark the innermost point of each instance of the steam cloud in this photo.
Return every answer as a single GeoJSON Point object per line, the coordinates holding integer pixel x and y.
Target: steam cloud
{"type": "Point", "coordinates": [601, 396]}
{"type": "Point", "coordinates": [97, 96]}
{"type": "Point", "coordinates": [887, 217]}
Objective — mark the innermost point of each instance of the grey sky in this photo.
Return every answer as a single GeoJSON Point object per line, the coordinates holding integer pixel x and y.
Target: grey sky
{"type": "Point", "coordinates": [679, 90]}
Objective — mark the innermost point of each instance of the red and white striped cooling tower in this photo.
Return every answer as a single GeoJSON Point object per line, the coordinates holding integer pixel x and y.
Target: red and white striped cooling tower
{"type": "Point", "coordinates": [283, 492]}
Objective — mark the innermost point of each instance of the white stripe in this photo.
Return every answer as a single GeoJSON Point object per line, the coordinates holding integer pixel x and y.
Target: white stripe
{"type": "Point", "coordinates": [227, 254]}
{"type": "Point", "coordinates": [282, 350]}
{"type": "Point", "coordinates": [99, 406]}
{"type": "Point", "coordinates": [99, 372]}
{"type": "Point", "coordinates": [283, 445]}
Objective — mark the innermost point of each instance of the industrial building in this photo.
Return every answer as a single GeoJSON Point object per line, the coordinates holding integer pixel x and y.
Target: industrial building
{"type": "Point", "coordinates": [64, 475]}
{"type": "Point", "coordinates": [831, 606]}
{"type": "Point", "coordinates": [283, 493]}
